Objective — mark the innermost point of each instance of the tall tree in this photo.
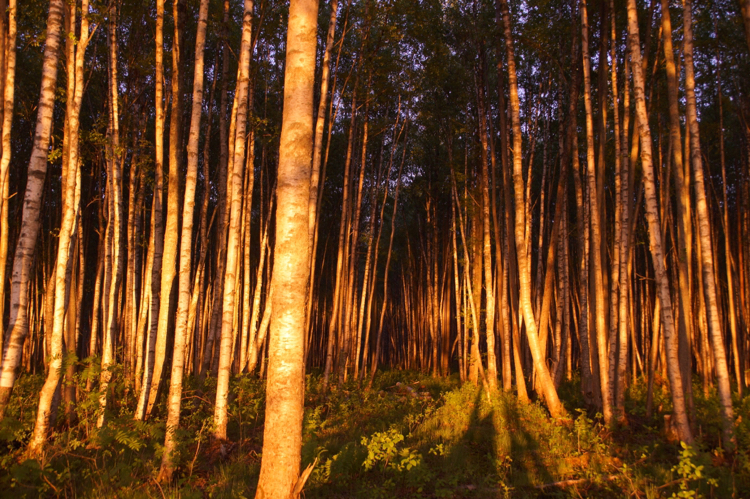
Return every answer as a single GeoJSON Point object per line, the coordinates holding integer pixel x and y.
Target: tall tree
{"type": "Point", "coordinates": [18, 324]}
{"type": "Point", "coordinates": [654, 226]}
{"type": "Point", "coordinates": [237, 160]}
{"type": "Point", "coordinates": [704, 230]}
{"type": "Point", "coordinates": [524, 269]}
{"type": "Point", "coordinates": [282, 435]}
{"type": "Point", "coordinates": [186, 239]}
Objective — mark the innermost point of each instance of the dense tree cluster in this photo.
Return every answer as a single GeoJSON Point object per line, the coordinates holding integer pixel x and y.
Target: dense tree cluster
{"type": "Point", "coordinates": [513, 190]}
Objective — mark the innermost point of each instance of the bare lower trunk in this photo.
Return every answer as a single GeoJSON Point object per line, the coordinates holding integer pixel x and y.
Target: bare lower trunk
{"type": "Point", "coordinates": [230, 277]}
{"type": "Point", "coordinates": [524, 271]}
{"type": "Point", "coordinates": [655, 239]}
{"type": "Point", "coordinates": [601, 332]}
{"type": "Point", "coordinates": [18, 324]}
{"type": "Point", "coordinates": [282, 438]}
{"type": "Point", "coordinates": [8, 86]}
{"type": "Point", "coordinates": [186, 238]}
{"type": "Point", "coordinates": [707, 259]}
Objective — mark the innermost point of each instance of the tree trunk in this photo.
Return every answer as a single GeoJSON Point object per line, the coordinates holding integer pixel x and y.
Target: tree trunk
{"type": "Point", "coordinates": [596, 237]}
{"type": "Point", "coordinates": [707, 259]}
{"type": "Point", "coordinates": [114, 177]}
{"type": "Point", "coordinates": [282, 438]}
{"type": "Point", "coordinates": [18, 325]}
{"type": "Point", "coordinates": [238, 167]}
{"type": "Point", "coordinates": [8, 85]}
{"type": "Point", "coordinates": [186, 238]}
{"type": "Point", "coordinates": [655, 239]}
{"type": "Point", "coordinates": [545, 381]}
{"type": "Point", "coordinates": [156, 244]}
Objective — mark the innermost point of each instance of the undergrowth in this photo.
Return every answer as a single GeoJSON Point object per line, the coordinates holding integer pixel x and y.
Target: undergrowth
{"type": "Point", "coordinates": [410, 436]}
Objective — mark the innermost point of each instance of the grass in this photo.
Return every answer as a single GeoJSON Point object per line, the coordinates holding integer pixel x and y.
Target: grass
{"type": "Point", "coordinates": [410, 436]}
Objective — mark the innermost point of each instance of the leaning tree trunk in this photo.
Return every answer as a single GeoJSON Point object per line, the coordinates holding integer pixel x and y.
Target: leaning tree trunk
{"type": "Point", "coordinates": [18, 325]}
{"type": "Point", "coordinates": [655, 239]}
{"type": "Point", "coordinates": [282, 437]}
{"type": "Point", "coordinates": [524, 271]}
{"type": "Point", "coordinates": [704, 228]}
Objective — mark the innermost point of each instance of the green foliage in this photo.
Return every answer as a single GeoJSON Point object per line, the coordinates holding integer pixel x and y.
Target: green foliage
{"type": "Point", "coordinates": [689, 473]}
{"type": "Point", "coordinates": [410, 436]}
{"type": "Point", "coordinates": [383, 447]}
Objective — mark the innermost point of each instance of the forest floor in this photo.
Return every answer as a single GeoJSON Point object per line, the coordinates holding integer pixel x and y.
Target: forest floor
{"type": "Point", "coordinates": [410, 436]}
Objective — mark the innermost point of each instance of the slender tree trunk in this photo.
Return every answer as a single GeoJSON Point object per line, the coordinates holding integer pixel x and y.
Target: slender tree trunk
{"type": "Point", "coordinates": [67, 231]}
{"type": "Point", "coordinates": [8, 84]}
{"type": "Point", "coordinates": [238, 167]}
{"type": "Point", "coordinates": [599, 289]}
{"type": "Point", "coordinates": [114, 176]}
{"type": "Point", "coordinates": [336, 314]}
{"type": "Point", "coordinates": [156, 245]}
{"type": "Point", "coordinates": [728, 246]}
{"type": "Point", "coordinates": [172, 228]}
{"type": "Point", "coordinates": [545, 381]}
{"type": "Point", "coordinates": [655, 239]}
{"type": "Point", "coordinates": [315, 177]}
{"type": "Point", "coordinates": [378, 342]}
{"type": "Point", "coordinates": [486, 240]}
{"type": "Point", "coordinates": [18, 324]}
{"type": "Point", "coordinates": [186, 238]}
{"type": "Point", "coordinates": [703, 220]}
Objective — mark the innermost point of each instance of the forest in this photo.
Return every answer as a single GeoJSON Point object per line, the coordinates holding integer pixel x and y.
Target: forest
{"type": "Point", "coordinates": [375, 248]}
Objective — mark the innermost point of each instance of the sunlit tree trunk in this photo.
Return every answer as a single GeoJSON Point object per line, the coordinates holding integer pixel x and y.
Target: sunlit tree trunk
{"type": "Point", "coordinates": [684, 262]}
{"type": "Point", "coordinates": [655, 239]}
{"type": "Point", "coordinates": [186, 239]}
{"type": "Point", "coordinates": [18, 325]}
{"type": "Point", "coordinates": [257, 295]}
{"type": "Point", "coordinates": [114, 177]}
{"type": "Point", "coordinates": [315, 176]}
{"type": "Point", "coordinates": [67, 231]}
{"type": "Point", "coordinates": [596, 237]}
{"type": "Point", "coordinates": [614, 295]}
{"type": "Point", "coordinates": [238, 167]}
{"type": "Point", "coordinates": [378, 337]}
{"type": "Point", "coordinates": [8, 85]}
{"type": "Point", "coordinates": [470, 292]}
{"type": "Point", "coordinates": [156, 243]}
{"type": "Point", "coordinates": [226, 139]}
{"type": "Point", "coordinates": [172, 227]}
{"type": "Point", "coordinates": [350, 295]}
{"type": "Point", "coordinates": [282, 437]}
{"type": "Point", "coordinates": [728, 246]}
{"type": "Point", "coordinates": [340, 259]}
{"type": "Point", "coordinates": [524, 271]}
{"type": "Point", "coordinates": [703, 220]}
{"type": "Point", "coordinates": [486, 240]}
